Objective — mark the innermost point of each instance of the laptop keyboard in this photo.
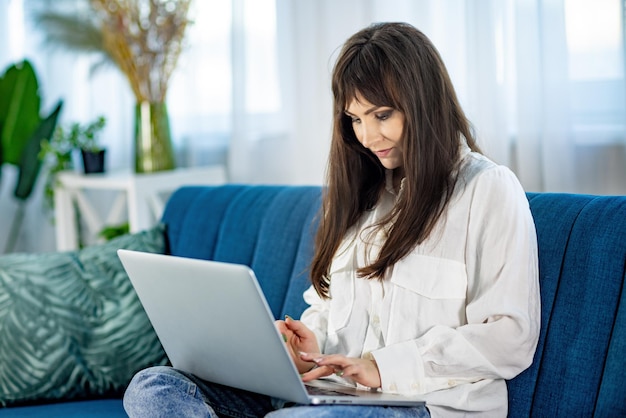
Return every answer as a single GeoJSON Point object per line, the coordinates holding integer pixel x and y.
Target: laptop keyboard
{"type": "Point", "coordinates": [314, 390]}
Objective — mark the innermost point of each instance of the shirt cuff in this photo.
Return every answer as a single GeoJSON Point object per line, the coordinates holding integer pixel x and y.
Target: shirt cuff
{"type": "Point", "coordinates": [401, 368]}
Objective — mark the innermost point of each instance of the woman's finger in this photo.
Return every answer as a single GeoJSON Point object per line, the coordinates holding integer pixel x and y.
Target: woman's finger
{"type": "Point", "coordinates": [317, 372]}
{"type": "Point", "coordinates": [336, 361]}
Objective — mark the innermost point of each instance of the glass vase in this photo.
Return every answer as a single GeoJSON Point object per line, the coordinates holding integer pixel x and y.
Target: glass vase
{"type": "Point", "coordinates": [153, 142]}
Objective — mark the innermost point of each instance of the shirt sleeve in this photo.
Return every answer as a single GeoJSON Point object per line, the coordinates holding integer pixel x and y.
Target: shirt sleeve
{"type": "Point", "coordinates": [315, 317]}
{"type": "Point", "coordinates": [502, 307]}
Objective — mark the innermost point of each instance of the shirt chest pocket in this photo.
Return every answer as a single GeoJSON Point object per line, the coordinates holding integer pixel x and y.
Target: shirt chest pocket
{"type": "Point", "coordinates": [431, 277]}
{"type": "Point", "coordinates": [426, 291]}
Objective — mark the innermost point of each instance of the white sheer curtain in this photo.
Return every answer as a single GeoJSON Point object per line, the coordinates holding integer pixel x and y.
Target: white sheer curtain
{"type": "Point", "coordinates": [514, 64]}
{"type": "Point", "coordinates": [543, 135]}
{"type": "Point", "coordinates": [541, 80]}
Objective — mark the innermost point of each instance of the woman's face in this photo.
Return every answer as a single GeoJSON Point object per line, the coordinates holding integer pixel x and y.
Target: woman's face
{"type": "Point", "coordinates": [379, 129]}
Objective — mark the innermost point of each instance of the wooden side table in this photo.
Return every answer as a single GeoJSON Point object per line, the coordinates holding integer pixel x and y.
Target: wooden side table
{"type": "Point", "coordinates": [139, 198]}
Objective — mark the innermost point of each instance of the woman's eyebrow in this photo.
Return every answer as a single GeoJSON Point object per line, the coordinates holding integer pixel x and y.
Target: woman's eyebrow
{"type": "Point", "coordinates": [367, 112]}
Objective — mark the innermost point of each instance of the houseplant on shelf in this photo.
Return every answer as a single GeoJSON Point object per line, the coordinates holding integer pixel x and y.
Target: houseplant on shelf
{"type": "Point", "coordinates": [143, 38]}
{"type": "Point", "coordinates": [57, 152]}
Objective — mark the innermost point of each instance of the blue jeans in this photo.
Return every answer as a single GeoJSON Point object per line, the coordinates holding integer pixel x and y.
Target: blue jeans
{"type": "Point", "coordinates": [166, 392]}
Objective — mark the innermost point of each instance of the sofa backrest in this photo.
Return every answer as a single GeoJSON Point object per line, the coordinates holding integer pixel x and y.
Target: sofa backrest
{"type": "Point", "coordinates": [580, 362]}
{"type": "Point", "coordinates": [268, 228]}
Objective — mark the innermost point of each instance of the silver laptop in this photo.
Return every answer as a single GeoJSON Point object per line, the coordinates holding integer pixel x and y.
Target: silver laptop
{"type": "Point", "coordinates": [214, 322]}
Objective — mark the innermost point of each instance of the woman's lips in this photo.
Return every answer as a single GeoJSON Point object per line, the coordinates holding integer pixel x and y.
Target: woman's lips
{"type": "Point", "coordinates": [382, 153]}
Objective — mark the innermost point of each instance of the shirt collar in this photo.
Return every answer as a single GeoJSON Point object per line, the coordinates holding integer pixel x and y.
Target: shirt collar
{"type": "Point", "coordinates": [389, 183]}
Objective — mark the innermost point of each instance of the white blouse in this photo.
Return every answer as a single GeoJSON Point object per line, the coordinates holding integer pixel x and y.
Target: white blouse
{"type": "Point", "coordinates": [455, 317]}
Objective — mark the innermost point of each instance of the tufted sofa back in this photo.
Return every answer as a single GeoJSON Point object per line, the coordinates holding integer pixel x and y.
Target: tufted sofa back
{"type": "Point", "coordinates": [269, 228]}
{"type": "Point", "coordinates": [580, 364]}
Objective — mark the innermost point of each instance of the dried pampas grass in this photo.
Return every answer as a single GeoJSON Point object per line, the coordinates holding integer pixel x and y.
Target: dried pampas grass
{"type": "Point", "coordinates": [143, 38]}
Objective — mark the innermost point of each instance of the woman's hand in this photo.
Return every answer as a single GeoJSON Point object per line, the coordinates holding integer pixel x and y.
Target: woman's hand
{"type": "Point", "coordinates": [360, 370]}
{"type": "Point", "coordinates": [298, 338]}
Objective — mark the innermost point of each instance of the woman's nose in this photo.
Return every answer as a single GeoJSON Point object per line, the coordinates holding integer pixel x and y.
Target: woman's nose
{"type": "Point", "coordinates": [369, 134]}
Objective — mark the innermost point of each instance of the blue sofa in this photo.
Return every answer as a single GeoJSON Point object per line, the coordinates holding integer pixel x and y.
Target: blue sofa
{"type": "Point", "coordinates": [580, 364]}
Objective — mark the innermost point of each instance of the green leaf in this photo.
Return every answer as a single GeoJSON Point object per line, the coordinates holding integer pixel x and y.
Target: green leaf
{"type": "Point", "coordinates": [113, 231]}
{"type": "Point", "coordinates": [30, 163]}
{"type": "Point", "coordinates": [74, 31]}
{"type": "Point", "coordinates": [1, 151]}
{"type": "Point", "coordinates": [19, 109]}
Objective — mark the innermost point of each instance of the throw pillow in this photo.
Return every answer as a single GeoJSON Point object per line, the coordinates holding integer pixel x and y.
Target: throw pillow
{"type": "Point", "coordinates": [71, 325]}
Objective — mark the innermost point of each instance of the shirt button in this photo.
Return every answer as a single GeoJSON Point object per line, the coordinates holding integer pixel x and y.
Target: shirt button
{"type": "Point", "coordinates": [376, 320]}
{"type": "Point", "coordinates": [451, 382]}
{"type": "Point", "coordinates": [393, 387]}
{"type": "Point", "coordinates": [415, 386]}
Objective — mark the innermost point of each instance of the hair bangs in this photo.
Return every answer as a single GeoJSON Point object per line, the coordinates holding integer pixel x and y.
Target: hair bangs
{"type": "Point", "coordinates": [367, 74]}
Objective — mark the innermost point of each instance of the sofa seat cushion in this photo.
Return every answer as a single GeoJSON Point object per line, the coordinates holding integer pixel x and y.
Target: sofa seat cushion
{"type": "Point", "coordinates": [101, 408]}
{"type": "Point", "coordinates": [72, 326]}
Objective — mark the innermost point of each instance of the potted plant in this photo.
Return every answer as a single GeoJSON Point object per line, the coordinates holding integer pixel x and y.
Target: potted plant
{"type": "Point", "coordinates": [88, 142]}
{"type": "Point", "coordinates": [58, 151]}
{"type": "Point", "coordinates": [22, 127]}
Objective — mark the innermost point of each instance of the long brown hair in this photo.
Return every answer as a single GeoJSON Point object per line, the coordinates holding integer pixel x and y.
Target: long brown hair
{"type": "Point", "coordinates": [396, 65]}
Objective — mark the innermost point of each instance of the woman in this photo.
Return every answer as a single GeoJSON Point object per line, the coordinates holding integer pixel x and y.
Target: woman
{"type": "Point", "coordinates": [425, 269]}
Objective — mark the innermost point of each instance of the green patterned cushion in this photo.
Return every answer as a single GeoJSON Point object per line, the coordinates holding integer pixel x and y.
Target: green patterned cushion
{"type": "Point", "coordinates": [71, 325]}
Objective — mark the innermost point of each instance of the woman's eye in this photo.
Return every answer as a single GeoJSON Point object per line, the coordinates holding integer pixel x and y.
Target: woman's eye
{"type": "Point", "coordinates": [383, 116]}
{"type": "Point", "coordinates": [355, 120]}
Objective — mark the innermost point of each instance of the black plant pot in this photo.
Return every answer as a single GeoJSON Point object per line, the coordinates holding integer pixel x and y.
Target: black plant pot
{"type": "Point", "coordinates": [93, 161]}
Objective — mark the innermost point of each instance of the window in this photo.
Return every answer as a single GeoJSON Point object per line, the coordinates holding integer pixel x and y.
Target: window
{"type": "Point", "coordinates": [594, 31]}
{"type": "Point", "coordinates": [227, 72]}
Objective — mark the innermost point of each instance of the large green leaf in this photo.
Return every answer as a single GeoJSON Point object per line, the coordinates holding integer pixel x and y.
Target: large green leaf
{"type": "Point", "coordinates": [19, 109]}
{"type": "Point", "coordinates": [1, 150]}
{"type": "Point", "coordinates": [30, 163]}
